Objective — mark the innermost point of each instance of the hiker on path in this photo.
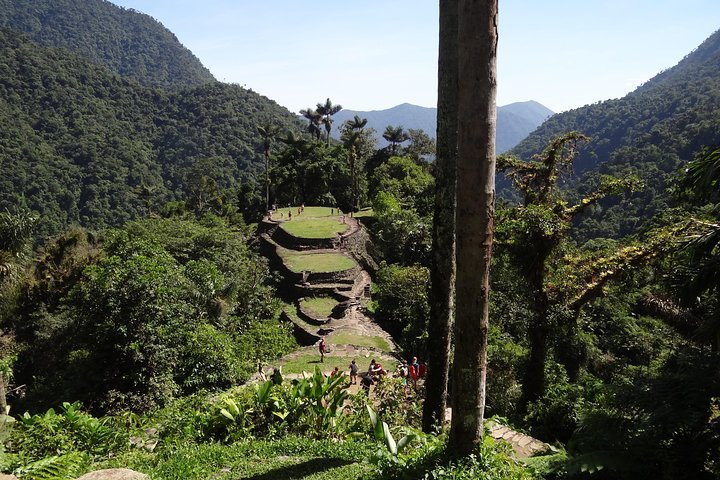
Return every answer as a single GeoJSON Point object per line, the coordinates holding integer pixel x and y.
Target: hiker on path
{"type": "Point", "coordinates": [366, 381]}
{"type": "Point", "coordinates": [289, 214]}
{"type": "Point", "coordinates": [414, 362]}
{"type": "Point", "coordinates": [413, 374]}
{"type": "Point", "coordinates": [375, 368]}
{"type": "Point", "coordinates": [322, 346]}
{"type": "Point", "coordinates": [353, 373]}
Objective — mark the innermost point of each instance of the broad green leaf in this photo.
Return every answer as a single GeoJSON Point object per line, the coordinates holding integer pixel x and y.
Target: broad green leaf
{"type": "Point", "coordinates": [392, 446]}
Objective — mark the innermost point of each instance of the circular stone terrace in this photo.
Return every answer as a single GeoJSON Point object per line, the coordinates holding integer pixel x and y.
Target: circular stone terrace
{"type": "Point", "coordinates": [335, 288]}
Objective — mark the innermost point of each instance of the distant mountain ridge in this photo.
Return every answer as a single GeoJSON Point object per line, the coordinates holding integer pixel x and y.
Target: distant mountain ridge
{"type": "Point", "coordinates": [130, 43]}
{"type": "Point", "coordinates": [652, 132]}
{"type": "Point", "coordinates": [515, 121]}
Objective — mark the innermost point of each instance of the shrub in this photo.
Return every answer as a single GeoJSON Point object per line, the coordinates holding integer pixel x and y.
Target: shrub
{"type": "Point", "coordinates": [72, 430]}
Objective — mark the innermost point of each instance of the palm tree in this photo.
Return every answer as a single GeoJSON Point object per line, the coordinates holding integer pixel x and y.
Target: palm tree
{"type": "Point", "coordinates": [268, 131]}
{"type": "Point", "coordinates": [395, 135]}
{"type": "Point", "coordinates": [700, 280]}
{"type": "Point", "coordinates": [476, 113]}
{"type": "Point", "coordinates": [314, 119]}
{"type": "Point", "coordinates": [352, 136]}
{"type": "Point", "coordinates": [326, 111]}
{"type": "Point", "coordinates": [442, 274]}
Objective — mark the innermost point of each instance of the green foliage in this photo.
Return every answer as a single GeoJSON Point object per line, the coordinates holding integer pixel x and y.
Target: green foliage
{"type": "Point", "coordinates": [666, 416]}
{"type": "Point", "coordinates": [68, 466]}
{"type": "Point", "coordinates": [395, 136]}
{"type": "Point", "coordinates": [408, 182]}
{"type": "Point", "coordinates": [71, 430]}
{"type": "Point", "coordinates": [402, 305]}
{"type": "Point", "coordinates": [129, 43]}
{"type": "Point", "coordinates": [397, 402]}
{"type": "Point", "coordinates": [402, 235]}
{"type": "Point", "coordinates": [702, 176]}
{"type": "Point", "coordinates": [651, 132]}
{"type": "Point", "coordinates": [421, 147]}
{"type": "Point", "coordinates": [504, 358]}
{"type": "Point", "coordinates": [310, 172]}
{"type": "Point", "coordinates": [381, 431]}
{"type": "Point", "coordinates": [554, 416]}
{"type": "Point", "coordinates": [288, 457]}
{"type": "Point", "coordinates": [311, 405]}
{"type": "Point", "coordinates": [83, 146]}
{"type": "Point", "coordinates": [420, 455]}
{"type": "Point", "coordinates": [169, 306]}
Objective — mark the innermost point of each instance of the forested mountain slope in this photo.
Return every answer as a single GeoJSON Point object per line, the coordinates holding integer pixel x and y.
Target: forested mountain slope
{"type": "Point", "coordinates": [130, 43]}
{"type": "Point", "coordinates": [79, 144]}
{"type": "Point", "coordinates": [652, 131]}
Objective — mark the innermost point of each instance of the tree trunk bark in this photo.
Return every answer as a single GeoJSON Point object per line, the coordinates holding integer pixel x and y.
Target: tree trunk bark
{"type": "Point", "coordinates": [442, 274]}
{"type": "Point", "coordinates": [477, 83]}
{"type": "Point", "coordinates": [3, 395]}
{"type": "Point", "coordinates": [534, 383]}
{"type": "Point", "coordinates": [267, 182]}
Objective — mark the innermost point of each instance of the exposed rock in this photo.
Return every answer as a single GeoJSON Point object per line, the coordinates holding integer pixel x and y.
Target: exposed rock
{"type": "Point", "coordinates": [114, 474]}
{"type": "Point", "coordinates": [7, 477]}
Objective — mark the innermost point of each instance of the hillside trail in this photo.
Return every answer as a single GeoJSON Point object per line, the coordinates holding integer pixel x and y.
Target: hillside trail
{"type": "Point", "coordinates": [355, 324]}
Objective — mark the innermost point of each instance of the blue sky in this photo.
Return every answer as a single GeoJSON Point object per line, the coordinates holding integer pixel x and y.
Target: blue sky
{"type": "Point", "coordinates": [373, 54]}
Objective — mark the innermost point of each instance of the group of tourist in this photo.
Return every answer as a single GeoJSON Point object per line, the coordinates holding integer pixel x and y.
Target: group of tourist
{"type": "Point", "coordinates": [410, 372]}
{"type": "Point", "coordinates": [300, 210]}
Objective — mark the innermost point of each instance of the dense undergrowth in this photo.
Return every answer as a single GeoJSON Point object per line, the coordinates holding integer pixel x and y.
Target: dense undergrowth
{"type": "Point", "coordinates": [309, 428]}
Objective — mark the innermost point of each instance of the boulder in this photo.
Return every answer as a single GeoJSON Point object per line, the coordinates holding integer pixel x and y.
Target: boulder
{"type": "Point", "coordinates": [115, 474]}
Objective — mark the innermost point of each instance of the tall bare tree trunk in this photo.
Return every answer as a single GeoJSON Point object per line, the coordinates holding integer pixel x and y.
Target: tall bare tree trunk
{"type": "Point", "coordinates": [267, 182]}
{"type": "Point", "coordinates": [442, 274]}
{"type": "Point", "coordinates": [477, 81]}
{"type": "Point", "coordinates": [3, 395]}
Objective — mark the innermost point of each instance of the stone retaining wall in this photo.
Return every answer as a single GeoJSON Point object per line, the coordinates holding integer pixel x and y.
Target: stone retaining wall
{"type": "Point", "coordinates": [268, 248]}
{"type": "Point", "coordinates": [302, 336]}
{"type": "Point", "coordinates": [292, 242]}
{"type": "Point", "coordinates": [306, 316]}
{"type": "Point", "coordinates": [361, 247]}
{"type": "Point", "coordinates": [343, 276]}
{"type": "Point", "coordinates": [323, 290]}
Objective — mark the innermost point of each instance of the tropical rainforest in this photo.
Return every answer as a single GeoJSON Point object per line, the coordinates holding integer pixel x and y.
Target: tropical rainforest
{"type": "Point", "coordinates": [136, 306]}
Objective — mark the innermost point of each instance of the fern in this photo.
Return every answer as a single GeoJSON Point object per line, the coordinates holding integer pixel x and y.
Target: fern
{"type": "Point", "coordinates": [53, 468]}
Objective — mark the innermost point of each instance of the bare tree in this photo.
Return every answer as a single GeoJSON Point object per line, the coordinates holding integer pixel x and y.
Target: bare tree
{"type": "Point", "coordinates": [442, 274]}
{"type": "Point", "coordinates": [477, 82]}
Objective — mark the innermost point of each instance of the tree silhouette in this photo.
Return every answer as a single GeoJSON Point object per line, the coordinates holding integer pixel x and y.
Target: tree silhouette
{"type": "Point", "coordinates": [314, 119]}
{"type": "Point", "coordinates": [351, 137]}
{"type": "Point", "coordinates": [396, 136]}
{"type": "Point", "coordinates": [326, 111]}
{"type": "Point", "coordinates": [560, 285]}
